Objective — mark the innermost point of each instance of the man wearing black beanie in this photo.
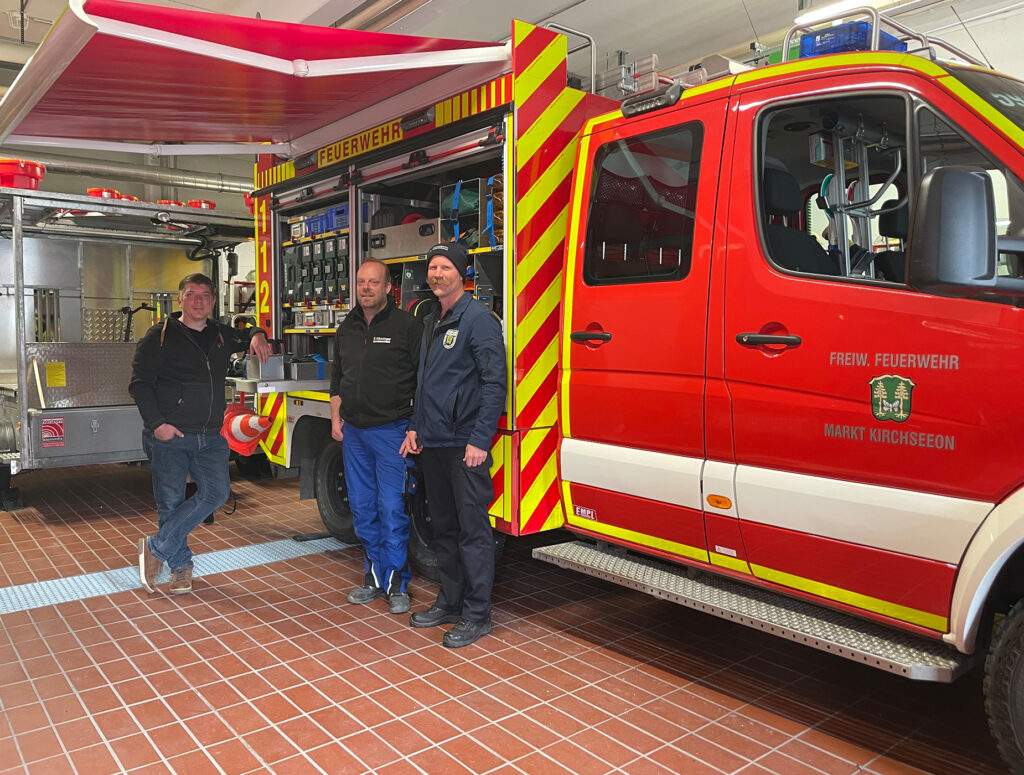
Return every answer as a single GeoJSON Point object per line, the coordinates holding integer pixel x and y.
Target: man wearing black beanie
{"type": "Point", "coordinates": [460, 396]}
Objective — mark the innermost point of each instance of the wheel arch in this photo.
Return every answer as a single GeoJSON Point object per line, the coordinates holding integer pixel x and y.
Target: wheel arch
{"type": "Point", "coordinates": [991, 573]}
{"type": "Point", "coordinates": [307, 437]}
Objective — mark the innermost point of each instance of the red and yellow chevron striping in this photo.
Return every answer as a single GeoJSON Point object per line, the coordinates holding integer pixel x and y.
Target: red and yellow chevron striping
{"type": "Point", "coordinates": [548, 116]}
{"type": "Point", "coordinates": [273, 405]}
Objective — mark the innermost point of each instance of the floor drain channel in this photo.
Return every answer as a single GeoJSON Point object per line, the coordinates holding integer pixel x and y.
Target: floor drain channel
{"type": "Point", "coordinates": [44, 593]}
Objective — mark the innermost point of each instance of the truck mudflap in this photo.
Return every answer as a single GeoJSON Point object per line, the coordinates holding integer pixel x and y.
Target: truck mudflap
{"type": "Point", "coordinates": [838, 633]}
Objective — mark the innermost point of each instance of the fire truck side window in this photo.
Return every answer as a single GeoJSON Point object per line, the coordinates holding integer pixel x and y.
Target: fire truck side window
{"type": "Point", "coordinates": [833, 186]}
{"type": "Point", "coordinates": [643, 195]}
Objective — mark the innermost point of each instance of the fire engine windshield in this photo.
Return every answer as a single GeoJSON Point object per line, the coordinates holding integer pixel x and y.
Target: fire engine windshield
{"type": "Point", "coordinates": [1004, 94]}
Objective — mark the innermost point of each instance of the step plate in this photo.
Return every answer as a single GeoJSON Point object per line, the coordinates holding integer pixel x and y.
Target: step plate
{"type": "Point", "coordinates": [832, 631]}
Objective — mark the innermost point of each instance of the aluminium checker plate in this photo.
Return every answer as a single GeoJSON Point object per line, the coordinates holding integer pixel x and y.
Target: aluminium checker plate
{"type": "Point", "coordinates": [837, 633]}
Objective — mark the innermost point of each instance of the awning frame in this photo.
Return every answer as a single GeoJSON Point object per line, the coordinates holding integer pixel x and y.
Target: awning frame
{"type": "Point", "coordinates": [75, 28]}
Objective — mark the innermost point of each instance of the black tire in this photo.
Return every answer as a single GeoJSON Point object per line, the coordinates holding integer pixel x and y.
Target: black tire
{"type": "Point", "coordinates": [332, 493]}
{"type": "Point", "coordinates": [1004, 688]}
{"type": "Point", "coordinates": [252, 467]}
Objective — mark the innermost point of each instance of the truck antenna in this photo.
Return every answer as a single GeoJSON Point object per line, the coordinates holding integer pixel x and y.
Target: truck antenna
{"type": "Point", "coordinates": [757, 38]}
{"type": "Point", "coordinates": [969, 35]}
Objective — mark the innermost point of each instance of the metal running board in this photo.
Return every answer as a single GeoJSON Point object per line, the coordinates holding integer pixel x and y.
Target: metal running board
{"type": "Point", "coordinates": [822, 628]}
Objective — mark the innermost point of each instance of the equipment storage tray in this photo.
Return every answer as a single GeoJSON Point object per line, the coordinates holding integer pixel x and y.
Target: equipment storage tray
{"type": "Point", "coordinates": [406, 239]}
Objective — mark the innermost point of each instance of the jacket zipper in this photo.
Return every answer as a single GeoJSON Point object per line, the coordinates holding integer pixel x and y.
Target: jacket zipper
{"type": "Point", "coordinates": [209, 375]}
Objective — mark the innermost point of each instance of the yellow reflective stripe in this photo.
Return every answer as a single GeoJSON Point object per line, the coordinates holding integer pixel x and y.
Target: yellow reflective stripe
{"type": "Point", "coordinates": [531, 498]}
{"type": "Point", "coordinates": [531, 382]}
{"type": "Point", "coordinates": [540, 131]}
{"type": "Point", "coordinates": [569, 281]}
{"type": "Point", "coordinates": [680, 550]}
{"type": "Point", "coordinates": [542, 309]}
{"type": "Point", "coordinates": [731, 563]}
{"type": "Point", "coordinates": [541, 249]}
{"type": "Point", "coordinates": [539, 192]}
{"type": "Point", "coordinates": [984, 109]}
{"type": "Point", "coordinates": [534, 74]}
{"type": "Point", "coordinates": [313, 395]}
{"type": "Point", "coordinates": [855, 599]}
{"type": "Point", "coordinates": [812, 64]}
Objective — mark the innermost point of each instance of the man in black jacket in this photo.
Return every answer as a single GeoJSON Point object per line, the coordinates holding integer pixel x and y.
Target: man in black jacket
{"type": "Point", "coordinates": [459, 399]}
{"type": "Point", "coordinates": [373, 381]}
{"type": "Point", "coordinates": [178, 385]}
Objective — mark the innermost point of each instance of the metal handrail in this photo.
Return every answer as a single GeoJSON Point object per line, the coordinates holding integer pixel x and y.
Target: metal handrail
{"type": "Point", "coordinates": [876, 23]}
{"type": "Point", "coordinates": [593, 47]}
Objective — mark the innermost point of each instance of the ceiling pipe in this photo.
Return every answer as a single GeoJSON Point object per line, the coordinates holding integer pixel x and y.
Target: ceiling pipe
{"type": "Point", "coordinates": [159, 176]}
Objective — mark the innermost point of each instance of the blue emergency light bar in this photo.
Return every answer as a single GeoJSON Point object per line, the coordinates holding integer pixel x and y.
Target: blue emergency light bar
{"type": "Point", "coordinates": [852, 36]}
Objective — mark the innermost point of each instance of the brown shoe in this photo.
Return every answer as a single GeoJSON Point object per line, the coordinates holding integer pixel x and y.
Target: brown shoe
{"type": "Point", "coordinates": [181, 581]}
{"type": "Point", "coordinates": [149, 566]}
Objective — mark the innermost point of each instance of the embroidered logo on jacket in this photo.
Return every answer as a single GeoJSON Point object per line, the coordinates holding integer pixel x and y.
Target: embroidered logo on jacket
{"type": "Point", "coordinates": [382, 340]}
{"type": "Point", "coordinates": [449, 338]}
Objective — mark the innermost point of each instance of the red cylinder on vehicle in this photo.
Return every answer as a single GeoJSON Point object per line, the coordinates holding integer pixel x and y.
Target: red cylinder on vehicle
{"type": "Point", "coordinates": [104, 193]}
{"type": "Point", "coordinates": [202, 204]}
{"type": "Point", "coordinates": [15, 173]}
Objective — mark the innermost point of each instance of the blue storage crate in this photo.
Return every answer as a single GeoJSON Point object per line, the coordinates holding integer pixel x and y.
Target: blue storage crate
{"type": "Point", "coordinates": [315, 224]}
{"type": "Point", "coordinates": [337, 218]}
{"type": "Point", "coordinates": [852, 36]}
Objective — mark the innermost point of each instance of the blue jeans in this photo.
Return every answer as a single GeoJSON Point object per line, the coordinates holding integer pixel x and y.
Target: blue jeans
{"type": "Point", "coordinates": [203, 455]}
{"type": "Point", "coordinates": [375, 476]}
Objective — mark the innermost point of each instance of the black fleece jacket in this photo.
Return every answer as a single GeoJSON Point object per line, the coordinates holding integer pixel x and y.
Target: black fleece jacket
{"type": "Point", "coordinates": [178, 374]}
{"type": "Point", "coordinates": [374, 369]}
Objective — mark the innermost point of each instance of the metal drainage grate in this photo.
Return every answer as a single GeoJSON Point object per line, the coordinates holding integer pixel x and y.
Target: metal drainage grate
{"type": "Point", "coordinates": [107, 582]}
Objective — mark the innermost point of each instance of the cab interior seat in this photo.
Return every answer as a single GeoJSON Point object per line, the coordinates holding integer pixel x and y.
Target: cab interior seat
{"type": "Point", "coordinates": [790, 247]}
{"type": "Point", "coordinates": [892, 264]}
{"type": "Point", "coordinates": [617, 230]}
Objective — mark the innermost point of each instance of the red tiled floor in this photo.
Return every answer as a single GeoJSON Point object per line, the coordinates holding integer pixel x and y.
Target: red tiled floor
{"type": "Point", "coordinates": [269, 670]}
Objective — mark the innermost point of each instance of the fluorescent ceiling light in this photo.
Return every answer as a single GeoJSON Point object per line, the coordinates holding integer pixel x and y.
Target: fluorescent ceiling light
{"type": "Point", "coordinates": [836, 9]}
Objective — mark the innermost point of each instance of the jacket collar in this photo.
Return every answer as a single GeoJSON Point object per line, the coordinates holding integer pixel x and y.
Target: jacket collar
{"type": "Point", "coordinates": [382, 315]}
{"type": "Point", "coordinates": [457, 309]}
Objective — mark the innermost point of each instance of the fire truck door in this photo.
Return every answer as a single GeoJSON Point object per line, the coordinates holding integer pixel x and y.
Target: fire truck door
{"type": "Point", "coordinates": [634, 327]}
{"type": "Point", "coordinates": [866, 415]}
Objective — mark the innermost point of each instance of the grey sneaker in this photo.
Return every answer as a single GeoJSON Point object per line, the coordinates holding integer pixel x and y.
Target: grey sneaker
{"type": "Point", "coordinates": [365, 594]}
{"type": "Point", "coordinates": [181, 581]}
{"type": "Point", "coordinates": [398, 603]}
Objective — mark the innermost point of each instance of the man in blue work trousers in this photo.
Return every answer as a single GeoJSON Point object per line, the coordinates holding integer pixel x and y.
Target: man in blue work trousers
{"type": "Point", "coordinates": [373, 382]}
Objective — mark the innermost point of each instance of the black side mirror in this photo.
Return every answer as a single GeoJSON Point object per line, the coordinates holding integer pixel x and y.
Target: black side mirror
{"type": "Point", "coordinates": [951, 249]}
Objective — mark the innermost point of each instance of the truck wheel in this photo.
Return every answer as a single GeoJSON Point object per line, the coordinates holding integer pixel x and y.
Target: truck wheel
{"type": "Point", "coordinates": [332, 494]}
{"type": "Point", "coordinates": [1004, 688]}
{"type": "Point", "coordinates": [422, 556]}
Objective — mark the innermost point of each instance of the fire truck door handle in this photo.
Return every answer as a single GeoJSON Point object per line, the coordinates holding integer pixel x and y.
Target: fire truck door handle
{"type": "Point", "coordinates": [590, 336]}
{"type": "Point", "coordinates": [753, 340]}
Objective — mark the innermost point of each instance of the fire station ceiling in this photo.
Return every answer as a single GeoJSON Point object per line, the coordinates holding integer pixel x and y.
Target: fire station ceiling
{"type": "Point", "coordinates": [679, 31]}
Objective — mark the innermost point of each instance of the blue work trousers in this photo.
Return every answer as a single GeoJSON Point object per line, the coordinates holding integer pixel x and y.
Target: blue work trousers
{"type": "Point", "coordinates": [375, 476]}
{"type": "Point", "coordinates": [204, 456]}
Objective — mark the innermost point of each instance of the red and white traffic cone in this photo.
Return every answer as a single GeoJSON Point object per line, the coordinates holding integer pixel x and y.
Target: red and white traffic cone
{"type": "Point", "coordinates": [247, 427]}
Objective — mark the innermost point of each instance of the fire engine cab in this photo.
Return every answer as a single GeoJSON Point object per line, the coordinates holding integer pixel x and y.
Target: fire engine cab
{"type": "Point", "coordinates": [763, 325]}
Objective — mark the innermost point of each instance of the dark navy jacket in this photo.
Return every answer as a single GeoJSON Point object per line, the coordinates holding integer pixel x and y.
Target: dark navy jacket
{"type": "Point", "coordinates": [462, 377]}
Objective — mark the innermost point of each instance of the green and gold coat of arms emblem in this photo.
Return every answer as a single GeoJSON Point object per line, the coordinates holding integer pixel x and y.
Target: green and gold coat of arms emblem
{"type": "Point", "coordinates": [890, 397]}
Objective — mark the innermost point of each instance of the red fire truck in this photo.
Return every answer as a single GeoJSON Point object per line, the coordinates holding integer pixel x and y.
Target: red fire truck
{"type": "Point", "coordinates": [762, 323]}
